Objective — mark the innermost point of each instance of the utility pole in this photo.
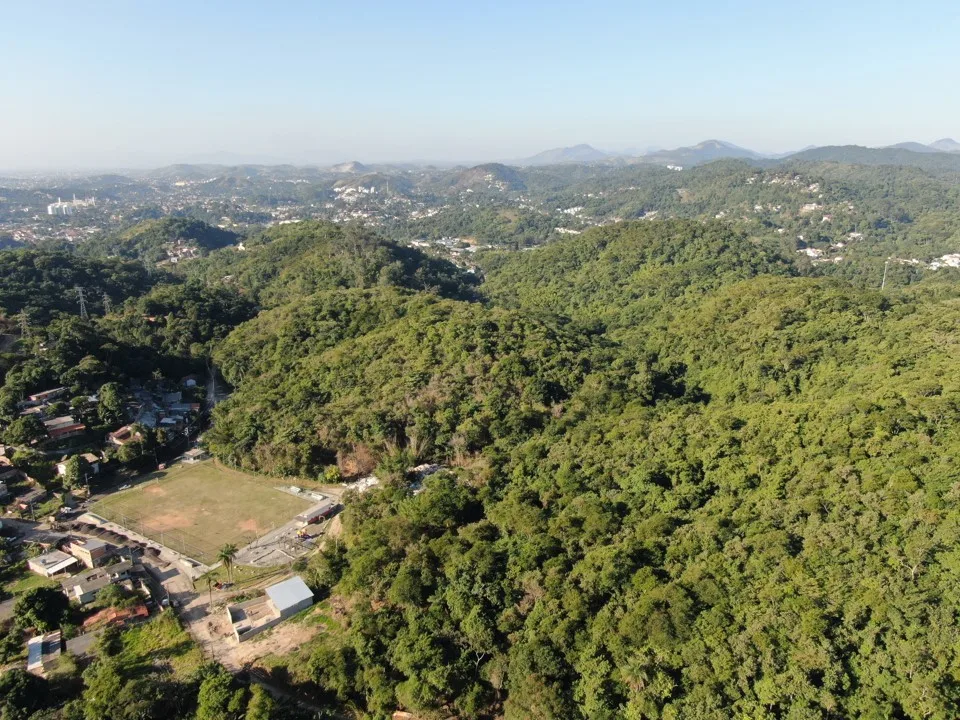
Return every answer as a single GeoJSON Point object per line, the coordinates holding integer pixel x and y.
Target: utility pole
{"type": "Point", "coordinates": [883, 283]}
{"type": "Point", "coordinates": [83, 302]}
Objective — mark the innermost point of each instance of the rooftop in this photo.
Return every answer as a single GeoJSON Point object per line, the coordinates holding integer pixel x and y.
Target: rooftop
{"type": "Point", "coordinates": [288, 593]}
{"type": "Point", "coordinates": [90, 544]}
{"type": "Point", "coordinates": [53, 562]}
{"type": "Point", "coordinates": [42, 649]}
{"type": "Point", "coordinates": [94, 580]}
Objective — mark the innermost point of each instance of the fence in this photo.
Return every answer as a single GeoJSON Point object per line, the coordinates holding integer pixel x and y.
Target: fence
{"type": "Point", "coordinates": [179, 541]}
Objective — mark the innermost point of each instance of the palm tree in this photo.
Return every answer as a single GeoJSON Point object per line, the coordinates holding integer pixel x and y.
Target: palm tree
{"type": "Point", "coordinates": [227, 554]}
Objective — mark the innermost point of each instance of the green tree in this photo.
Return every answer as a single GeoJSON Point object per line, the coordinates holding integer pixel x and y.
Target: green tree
{"type": "Point", "coordinates": [227, 555]}
{"type": "Point", "coordinates": [110, 403]}
{"type": "Point", "coordinates": [261, 705]}
{"type": "Point", "coordinates": [43, 608]}
{"type": "Point", "coordinates": [24, 430]}
{"type": "Point", "coordinates": [76, 471]}
{"type": "Point", "coordinates": [219, 697]}
{"type": "Point", "coordinates": [21, 694]}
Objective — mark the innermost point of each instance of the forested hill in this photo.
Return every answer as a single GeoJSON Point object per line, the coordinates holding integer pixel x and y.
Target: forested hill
{"type": "Point", "coordinates": [608, 273]}
{"type": "Point", "coordinates": [150, 240]}
{"type": "Point", "coordinates": [690, 481]}
{"type": "Point", "coordinates": [287, 262]}
{"type": "Point", "coordinates": [892, 156]}
{"type": "Point", "coordinates": [43, 284]}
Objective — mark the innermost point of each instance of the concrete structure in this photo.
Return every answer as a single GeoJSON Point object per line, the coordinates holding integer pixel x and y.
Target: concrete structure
{"type": "Point", "coordinates": [51, 563]}
{"type": "Point", "coordinates": [83, 587]}
{"type": "Point", "coordinates": [47, 395]}
{"type": "Point", "coordinates": [317, 512]}
{"type": "Point", "coordinates": [283, 600]}
{"type": "Point", "coordinates": [66, 207]}
{"type": "Point", "coordinates": [62, 427]}
{"type": "Point", "coordinates": [124, 435]}
{"type": "Point", "coordinates": [290, 596]}
{"type": "Point", "coordinates": [43, 651]}
{"type": "Point", "coordinates": [8, 473]}
{"type": "Point", "coordinates": [92, 459]}
{"type": "Point", "coordinates": [28, 501]}
{"type": "Point", "coordinates": [195, 455]}
{"type": "Point", "coordinates": [91, 552]}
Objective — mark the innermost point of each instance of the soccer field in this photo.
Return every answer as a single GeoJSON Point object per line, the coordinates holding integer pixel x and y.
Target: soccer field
{"type": "Point", "coordinates": [196, 509]}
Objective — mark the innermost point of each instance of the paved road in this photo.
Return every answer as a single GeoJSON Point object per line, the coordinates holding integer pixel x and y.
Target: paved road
{"type": "Point", "coordinates": [83, 644]}
{"type": "Point", "coordinates": [6, 608]}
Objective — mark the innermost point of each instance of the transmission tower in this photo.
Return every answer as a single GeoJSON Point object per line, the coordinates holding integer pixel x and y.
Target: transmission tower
{"type": "Point", "coordinates": [106, 304]}
{"type": "Point", "coordinates": [24, 324]}
{"type": "Point", "coordinates": [83, 302]}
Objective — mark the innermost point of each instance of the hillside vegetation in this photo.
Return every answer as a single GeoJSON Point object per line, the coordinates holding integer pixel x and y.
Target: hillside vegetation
{"type": "Point", "coordinates": [288, 262]}
{"type": "Point", "coordinates": [689, 480]}
{"type": "Point", "coordinates": [150, 239]}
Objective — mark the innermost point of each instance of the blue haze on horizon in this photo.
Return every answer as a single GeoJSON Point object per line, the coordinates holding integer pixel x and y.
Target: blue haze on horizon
{"type": "Point", "coordinates": [125, 84]}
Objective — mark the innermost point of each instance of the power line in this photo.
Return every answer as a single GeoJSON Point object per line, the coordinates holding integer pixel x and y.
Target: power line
{"type": "Point", "coordinates": [83, 302]}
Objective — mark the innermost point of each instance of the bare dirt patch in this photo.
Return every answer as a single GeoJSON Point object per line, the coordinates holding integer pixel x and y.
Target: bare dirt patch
{"type": "Point", "coordinates": [249, 525]}
{"type": "Point", "coordinates": [171, 521]}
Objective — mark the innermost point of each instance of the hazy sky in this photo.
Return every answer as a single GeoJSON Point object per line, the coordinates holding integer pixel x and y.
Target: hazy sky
{"type": "Point", "coordinates": [130, 83]}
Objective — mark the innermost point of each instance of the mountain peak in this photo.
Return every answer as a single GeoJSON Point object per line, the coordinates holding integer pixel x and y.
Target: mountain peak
{"type": "Point", "coordinates": [581, 153]}
{"type": "Point", "coordinates": [703, 152]}
{"type": "Point", "coordinates": [350, 167]}
{"type": "Point", "coordinates": [913, 147]}
{"type": "Point", "coordinates": [946, 145]}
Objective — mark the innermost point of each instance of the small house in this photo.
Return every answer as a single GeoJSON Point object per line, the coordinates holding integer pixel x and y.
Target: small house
{"type": "Point", "coordinates": [283, 600]}
{"type": "Point", "coordinates": [8, 472]}
{"type": "Point", "coordinates": [195, 455]}
{"type": "Point", "coordinates": [27, 501]}
{"type": "Point", "coordinates": [290, 596]}
{"type": "Point", "coordinates": [83, 587]}
{"type": "Point", "coordinates": [51, 563]}
{"type": "Point", "coordinates": [91, 552]}
{"type": "Point", "coordinates": [47, 395]}
{"type": "Point", "coordinates": [317, 512]}
{"type": "Point", "coordinates": [124, 436]}
{"type": "Point", "coordinates": [92, 460]}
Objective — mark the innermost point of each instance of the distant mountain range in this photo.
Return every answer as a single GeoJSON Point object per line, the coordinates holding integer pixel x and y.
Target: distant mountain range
{"type": "Point", "coordinates": [941, 155]}
{"type": "Point", "coordinates": [704, 152]}
{"type": "Point", "coordinates": [701, 153]}
{"type": "Point", "coordinates": [948, 145]}
{"type": "Point", "coordinates": [562, 156]}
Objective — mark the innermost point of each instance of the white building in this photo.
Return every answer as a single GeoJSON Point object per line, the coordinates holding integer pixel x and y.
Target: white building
{"type": "Point", "coordinates": [66, 208]}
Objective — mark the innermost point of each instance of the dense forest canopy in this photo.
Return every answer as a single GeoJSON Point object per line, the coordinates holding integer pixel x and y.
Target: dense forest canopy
{"type": "Point", "coordinates": [690, 482]}
{"type": "Point", "coordinates": [148, 240]}
{"type": "Point", "coordinates": [287, 262]}
{"type": "Point", "coordinates": [42, 284]}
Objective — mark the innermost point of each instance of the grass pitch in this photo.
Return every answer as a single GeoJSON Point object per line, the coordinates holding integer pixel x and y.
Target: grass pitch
{"type": "Point", "coordinates": [196, 509]}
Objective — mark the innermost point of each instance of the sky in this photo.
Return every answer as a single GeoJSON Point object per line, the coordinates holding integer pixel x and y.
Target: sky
{"type": "Point", "coordinates": [138, 84]}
